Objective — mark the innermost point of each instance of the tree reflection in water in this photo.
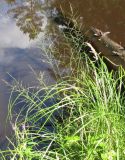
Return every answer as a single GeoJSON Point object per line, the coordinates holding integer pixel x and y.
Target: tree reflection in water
{"type": "Point", "coordinates": [10, 1]}
{"type": "Point", "coordinates": [28, 15]}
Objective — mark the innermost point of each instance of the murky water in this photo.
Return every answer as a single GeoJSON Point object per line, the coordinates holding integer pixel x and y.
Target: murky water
{"type": "Point", "coordinates": [106, 15]}
{"type": "Point", "coordinates": [24, 27]}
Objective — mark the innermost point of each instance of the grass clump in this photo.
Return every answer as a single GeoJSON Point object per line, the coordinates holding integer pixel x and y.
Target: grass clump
{"type": "Point", "coordinates": [79, 118]}
{"type": "Point", "coordinates": [84, 119]}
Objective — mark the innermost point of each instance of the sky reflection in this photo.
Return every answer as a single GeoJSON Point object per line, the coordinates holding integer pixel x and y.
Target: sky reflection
{"type": "Point", "coordinates": [11, 34]}
{"type": "Point", "coordinates": [18, 52]}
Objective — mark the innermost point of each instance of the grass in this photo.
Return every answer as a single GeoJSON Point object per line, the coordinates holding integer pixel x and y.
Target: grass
{"type": "Point", "coordinates": [85, 119]}
{"type": "Point", "coordinates": [80, 117]}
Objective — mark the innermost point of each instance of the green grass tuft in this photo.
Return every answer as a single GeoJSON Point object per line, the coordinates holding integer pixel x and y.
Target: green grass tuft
{"type": "Point", "coordinates": [79, 118]}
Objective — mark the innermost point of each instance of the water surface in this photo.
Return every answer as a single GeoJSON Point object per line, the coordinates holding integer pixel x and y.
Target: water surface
{"type": "Point", "coordinates": [25, 25]}
{"type": "Point", "coordinates": [107, 15]}
{"type": "Point", "coordinates": [22, 33]}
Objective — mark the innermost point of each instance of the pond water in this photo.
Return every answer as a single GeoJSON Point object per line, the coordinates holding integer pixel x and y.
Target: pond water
{"type": "Point", "coordinates": [22, 31]}
{"type": "Point", "coordinates": [105, 15]}
{"type": "Point", "coordinates": [24, 28]}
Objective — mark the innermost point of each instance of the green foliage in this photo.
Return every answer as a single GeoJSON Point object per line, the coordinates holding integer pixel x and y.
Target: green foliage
{"type": "Point", "coordinates": [84, 118]}
{"type": "Point", "coordinates": [94, 127]}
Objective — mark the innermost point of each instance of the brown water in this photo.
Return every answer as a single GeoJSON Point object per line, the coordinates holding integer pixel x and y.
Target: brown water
{"type": "Point", "coordinates": [107, 15]}
{"type": "Point", "coordinates": [25, 25]}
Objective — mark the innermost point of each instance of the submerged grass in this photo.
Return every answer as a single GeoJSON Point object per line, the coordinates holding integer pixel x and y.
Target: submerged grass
{"type": "Point", "coordinates": [79, 118]}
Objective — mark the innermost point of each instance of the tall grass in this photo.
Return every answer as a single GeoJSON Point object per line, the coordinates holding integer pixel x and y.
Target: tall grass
{"type": "Point", "coordinates": [79, 118]}
{"type": "Point", "coordinates": [84, 118]}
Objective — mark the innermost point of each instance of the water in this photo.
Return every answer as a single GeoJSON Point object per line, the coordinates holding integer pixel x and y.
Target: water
{"type": "Point", "coordinates": [22, 32]}
{"type": "Point", "coordinates": [25, 25]}
{"type": "Point", "coordinates": [105, 15]}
